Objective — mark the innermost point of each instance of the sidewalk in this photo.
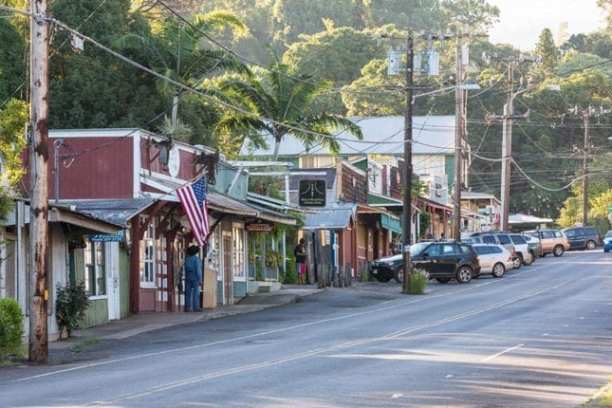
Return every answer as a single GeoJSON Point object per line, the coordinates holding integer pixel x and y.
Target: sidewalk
{"type": "Point", "coordinates": [146, 322]}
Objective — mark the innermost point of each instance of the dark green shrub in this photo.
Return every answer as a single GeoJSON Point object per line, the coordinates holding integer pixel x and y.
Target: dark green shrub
{"type": "Point", "coordinates": [418, 282]}
{"type": "Point", "coordinates": [291, 277]}
{"type": "Point", "coordinates": [11, 328]}
{"type": "Point", "coordinates": [70, 307]}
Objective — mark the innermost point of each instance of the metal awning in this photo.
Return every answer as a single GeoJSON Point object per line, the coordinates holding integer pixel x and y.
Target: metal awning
{"type": "Point", "coordinates": [118, 212]}
{"type": "Point", "coordinates": [330, 218]}
{"type": "Point", "coordinates": [391, 223]}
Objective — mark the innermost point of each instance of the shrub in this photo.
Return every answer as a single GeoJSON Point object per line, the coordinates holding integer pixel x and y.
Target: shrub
{"type": "Point", "coordinates": [418, 282]}
{"type": "Point", "coordinates": [11, 328]}
{"type": "Point", "coordinates": [70, 306]}
{"type": "Point", "coordinates": [291, 277]}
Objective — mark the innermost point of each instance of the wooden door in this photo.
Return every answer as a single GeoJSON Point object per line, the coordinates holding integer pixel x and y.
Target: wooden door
{"type": "Point", "coordinates": [228, 277]}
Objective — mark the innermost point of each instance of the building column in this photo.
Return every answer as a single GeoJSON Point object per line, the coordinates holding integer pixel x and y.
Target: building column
{"type": "Point", "coordinates": [136, 236]}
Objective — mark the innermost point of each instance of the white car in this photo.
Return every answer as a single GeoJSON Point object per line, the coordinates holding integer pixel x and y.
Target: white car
{"type": "Point", "coordinates": [493, 259]}
{"type": "Point", "coordinates": [521, 246]}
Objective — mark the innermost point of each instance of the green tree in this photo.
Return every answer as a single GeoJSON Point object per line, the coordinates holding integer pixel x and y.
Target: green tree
{"type": "Point", "coordinates": [12, 59]}
{"type": "Point", "coordinates": [287, 100]}
{"type": "Point", "coordinates": [547, 51]}
{"type": "Point", "coordinates": [13, 117]}
{"type": "Point", "coordinates": [474, 15]}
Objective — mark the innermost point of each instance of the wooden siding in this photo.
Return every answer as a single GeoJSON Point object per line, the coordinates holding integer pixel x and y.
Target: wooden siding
{"type": "Point", "coordinates": [357, 193]}
{"type": "Point", "coordinates": [106, 172]}
{"type": "Point", "coordinates": [149, 155]}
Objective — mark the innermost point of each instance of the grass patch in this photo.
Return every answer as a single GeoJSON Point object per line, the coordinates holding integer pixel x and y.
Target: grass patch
{"type": "Point", "coordinates": [602, 399]}
{"type": "Point", "coordinates": [84, 345]}
{"type": "Point", "coordinates": [418, 282]}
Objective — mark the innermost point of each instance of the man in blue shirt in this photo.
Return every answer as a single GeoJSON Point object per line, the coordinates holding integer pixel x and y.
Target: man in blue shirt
{"type": "Point", "coordinates": [193, 279]}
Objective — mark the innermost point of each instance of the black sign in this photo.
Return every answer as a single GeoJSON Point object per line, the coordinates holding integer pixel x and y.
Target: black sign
{"type": "Point", "coordinates": [312, 193]}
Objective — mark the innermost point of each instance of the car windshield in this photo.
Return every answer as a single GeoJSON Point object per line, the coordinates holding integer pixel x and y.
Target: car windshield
{"type": "Point", "coordinates": [609, 234]}
{"type": "Point", "coordinates": [418, 248]}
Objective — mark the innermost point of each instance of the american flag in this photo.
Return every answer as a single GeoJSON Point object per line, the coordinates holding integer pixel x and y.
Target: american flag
{"type": "Point", "coordinates": [193, 199]}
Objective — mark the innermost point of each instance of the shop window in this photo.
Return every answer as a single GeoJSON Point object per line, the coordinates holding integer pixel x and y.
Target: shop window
{"type": "Point", "coordinates": [214, 250]}
{"type": "Point", "coordinates": [147, 257]}
{"type": "Point", "coordinates": [95, 269]}
{"type": "Point", "coordinates": [238, 260]}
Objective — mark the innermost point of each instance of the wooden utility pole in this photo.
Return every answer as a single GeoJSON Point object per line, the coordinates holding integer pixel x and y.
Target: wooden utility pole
{"type": "Point", "coordinates": [459, 110]}
{"type": "Point", "coordinates": [39, 197]}
{"type": "Point", "coordinates": [407, 204]}
{"type": "Point", "coordinates": [507, 119]}
{"type": "Point", "coordinates": [586, 116]}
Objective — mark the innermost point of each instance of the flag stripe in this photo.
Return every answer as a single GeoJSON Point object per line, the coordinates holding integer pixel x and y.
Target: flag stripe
{"type": "Point", "coordinates": [193, 200]}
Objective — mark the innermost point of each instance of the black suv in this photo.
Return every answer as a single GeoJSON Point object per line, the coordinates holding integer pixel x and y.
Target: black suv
{"type": "Point", "coordinates": [446, 260]}
{"type": "Point", "coordinates": [583, 237]}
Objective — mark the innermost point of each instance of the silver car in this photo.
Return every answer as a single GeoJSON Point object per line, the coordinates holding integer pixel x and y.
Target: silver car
{"type": "Point", "coordinates": [493, 259]}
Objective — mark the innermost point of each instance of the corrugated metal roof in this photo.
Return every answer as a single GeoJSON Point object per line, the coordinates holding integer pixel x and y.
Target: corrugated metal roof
{"type": "Point", "coordinates": [117, 212]}
{"type": "Point", "coordinates": [330, 218]}
{"type": "Point", "coordinates": [382, 135]}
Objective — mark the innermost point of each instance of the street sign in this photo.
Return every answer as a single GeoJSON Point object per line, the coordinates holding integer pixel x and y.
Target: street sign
{"type": "Point", "coordinates": [312, 193]}
{"type": "Point", "coordinates": [394, 62]}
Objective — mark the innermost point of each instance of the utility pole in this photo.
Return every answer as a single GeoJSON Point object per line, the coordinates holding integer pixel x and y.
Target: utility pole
{"type": "Point", "coordinates": [586, 116]}
{"type": "Point", "coordinates": [507, 119]}
{"type": "Point", "coordinates": [407, 205]}
{"type": "Point", "coordinates": [459, 102]}
{"type": "Point", "coordinates": [39, 197]}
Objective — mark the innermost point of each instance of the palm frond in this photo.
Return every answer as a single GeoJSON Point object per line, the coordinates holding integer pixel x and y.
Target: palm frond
{"type": "Point", "coordinates": [254, 93]}
{"type": "Point", "coordinates": [215, 20]}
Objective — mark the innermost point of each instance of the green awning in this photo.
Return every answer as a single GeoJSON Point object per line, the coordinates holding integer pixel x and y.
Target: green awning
{"type": "Point", "coordinates": [391, 223]}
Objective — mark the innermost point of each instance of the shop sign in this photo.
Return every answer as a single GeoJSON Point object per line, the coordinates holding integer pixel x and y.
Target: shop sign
{"type": "Point", "coordinates": [118, 237]}
{"type": "Point", "coordinates": [312, 193]}
{"type": "Point", "coordinates": [259, 227]}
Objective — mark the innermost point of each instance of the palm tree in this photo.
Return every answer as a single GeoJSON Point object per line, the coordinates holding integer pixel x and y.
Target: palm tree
{"type": "Point", "coordinates": [178, 51]}
{"type": "Point", "coordinates": [280, 103]}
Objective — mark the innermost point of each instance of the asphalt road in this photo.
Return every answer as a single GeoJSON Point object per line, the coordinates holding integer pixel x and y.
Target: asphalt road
{"type": "Point", "coordinates": [540, 337]}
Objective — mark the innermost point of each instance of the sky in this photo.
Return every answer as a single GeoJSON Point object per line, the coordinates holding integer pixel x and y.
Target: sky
{"type": "Point", "coordinates": [522, 21]}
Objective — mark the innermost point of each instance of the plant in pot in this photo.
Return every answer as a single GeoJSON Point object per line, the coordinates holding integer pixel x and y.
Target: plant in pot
{"type": "Point", "coordinates": [70, 307]}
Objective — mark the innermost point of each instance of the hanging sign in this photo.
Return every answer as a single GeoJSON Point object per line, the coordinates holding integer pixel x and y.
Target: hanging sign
{"type": "Point", "coordinates": [312, 193]}
{"type": "Point", "coordinates": [118, 237]}
{"type": "Point", "coordinates": [259, 227]}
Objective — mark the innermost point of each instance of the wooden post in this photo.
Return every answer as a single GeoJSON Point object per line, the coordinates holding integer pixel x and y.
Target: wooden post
{"type": "Point", "coordinates": [137, 234]}
{"type": "Point", "coordinates": [39, 198]}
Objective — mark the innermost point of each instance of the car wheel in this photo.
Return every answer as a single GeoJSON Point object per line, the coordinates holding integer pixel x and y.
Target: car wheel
{"type": "Point", "coordinates": [532, 258]}
{"type": "Point", "coordinates": [499, 270]}
{"type": "Point", "coordinates": [558, 251]}
{"type": "Point", "coordinates": [399, 276]}
{"type": "Point", "coordinates": [443, 280]}
{"type": "Point", "coordinates": [517, 262]}
{"type": "Point", "coordinates": [464, 274]}
{"type": "Point", "coordinates": [591, 245]}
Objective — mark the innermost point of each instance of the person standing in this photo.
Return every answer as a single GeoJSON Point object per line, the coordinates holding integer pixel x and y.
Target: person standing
{"type": "Point", "coordinates": [193, 279]}
{"type": "Point", "coordinates": [300, 261]}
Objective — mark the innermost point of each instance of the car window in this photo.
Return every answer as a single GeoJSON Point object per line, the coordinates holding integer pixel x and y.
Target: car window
{"type": "Point", "coordinates": [489, 239]}
{"type": "Point", "coordinates": [449, 249]}
{"type": "Point", "coordinates": [591, 231]}
{"type": "Point", "coordinates": [433, 250]}
{"type": "Point", "coordinates": [533, 234]}
{"type": "Point", "coordinates": [609, 234]}
{"type": "Point", "coordinates": [547, 234]}
{"type": "Point", "coordinates": [518, 240]}
{"type": "Point", "coordinates": [504, 239]}
{"type": "Point", "coordinates": [480, 250]}
{"type": "Point", "coordinates": [570, 233]}
{"type": "Point", "coordinates": [558, 234]}
{"type": "Point", "coordinates": [466, 249]}
{"type": "Point", "coordinates": [496, 250]}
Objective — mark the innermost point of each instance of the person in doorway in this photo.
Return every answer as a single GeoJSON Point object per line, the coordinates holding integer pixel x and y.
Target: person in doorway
{"type": "Point", "coordinates": [300, 261]}
{"type": "Point", "coordinates": [193, 279]}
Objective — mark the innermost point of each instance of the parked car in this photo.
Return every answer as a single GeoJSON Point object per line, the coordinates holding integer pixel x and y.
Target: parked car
{"type": "Point", "coordinates": [385, 269]}
{"type": "Point", "coordinates": [521, 246]}
{"type": "Point", "coordinates": [535, 247]}
{"type": "Point", "coordinates": [445, 261]}
{"type": "Point", "coordinates": [582, 237]}
{"type": "Point", "coordinates": [553, 241]}
{"type": "Point", "coordinates": [503, 239]}
{"type": "Point", "coordinates": [607, 242]}
{"type": "Point", "coordinates": [493, 259]}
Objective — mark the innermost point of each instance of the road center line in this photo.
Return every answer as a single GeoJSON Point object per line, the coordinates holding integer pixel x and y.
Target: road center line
{"type": "Point", "coordinates": [501, 353]}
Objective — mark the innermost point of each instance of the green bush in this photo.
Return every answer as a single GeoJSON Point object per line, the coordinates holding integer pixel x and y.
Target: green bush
{"type": "Point", "coordinates": [418, 282]}
{"type": "Point", "coordinates": [11, 328]}
{"type": "Point", "coordinates": [70, 307]}
{"type": "Point", "coordinates": [291, 277]}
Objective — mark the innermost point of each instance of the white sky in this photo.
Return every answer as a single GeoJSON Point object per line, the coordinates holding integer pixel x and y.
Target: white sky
{"type": "Point", "coordinates": [521, 21]}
